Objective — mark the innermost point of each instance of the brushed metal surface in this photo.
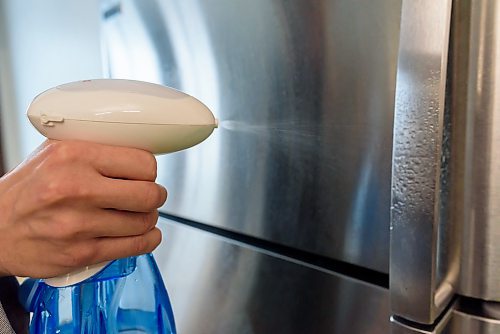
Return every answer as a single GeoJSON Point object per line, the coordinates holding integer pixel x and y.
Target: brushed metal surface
{"type": "Point", "coordinates": [481, 247]}
{"type": "Point", "coordinates": [219, 286]}
{"type": "Point", "coordinates": [422, 277]}
{"type": "Point", "coordinates": [305, 94]}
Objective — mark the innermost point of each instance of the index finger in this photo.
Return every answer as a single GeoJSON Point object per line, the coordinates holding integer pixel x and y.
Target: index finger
{"type": "Point", "coordinates": [124, 162]}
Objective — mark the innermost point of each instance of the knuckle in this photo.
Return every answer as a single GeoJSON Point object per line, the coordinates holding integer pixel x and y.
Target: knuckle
{"type": "Point", "coordinates": [157, 237]}
{"type": "Point", "coordinates": [64, 152]}
{"type": "Point", "coordinates": [85, 255]}
{"type": "Point", "coordinates": [150, 166]}
{"type": "Point", "coordinates": [148, 221]}
{"type": "Point", "coordinates": [64, 230]}
{"type": "Point", "coordinates": [54, 191]}
{"type": "Point", "coordinates": [60, 188]}
{"type": "Point", "coordinates": [139, 245]}
{"type": "Point", "coordinates": [144, 223]}
{"type": "Point", "coordinates": [79, 256]}
{"type": "Point", "coordinates": [68, 226]}
{"type": "Point", "coordinates": [152, 240]}
{"type": "Point", "coordinates": [154, 196]}
{"type": "Point", "coordinates": [155, 215]}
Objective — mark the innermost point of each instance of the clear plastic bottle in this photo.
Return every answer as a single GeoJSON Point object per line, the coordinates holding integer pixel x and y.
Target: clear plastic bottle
{"type": "Point", "coordinates": [127, 296]}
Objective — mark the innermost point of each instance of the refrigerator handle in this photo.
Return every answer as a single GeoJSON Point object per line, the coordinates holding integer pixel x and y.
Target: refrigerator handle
{"type": "Point", "coordinates": [421, 273]}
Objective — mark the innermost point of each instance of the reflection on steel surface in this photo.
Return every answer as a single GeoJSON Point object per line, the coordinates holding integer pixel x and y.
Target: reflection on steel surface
{"type": "Point", "coordinates": [219, 286]}
{"type": "Point", "coordinates": [305, 92]}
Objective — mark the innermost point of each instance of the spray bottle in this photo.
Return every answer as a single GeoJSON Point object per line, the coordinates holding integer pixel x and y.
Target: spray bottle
{"type": "Point", "coordinates": [125, 295]}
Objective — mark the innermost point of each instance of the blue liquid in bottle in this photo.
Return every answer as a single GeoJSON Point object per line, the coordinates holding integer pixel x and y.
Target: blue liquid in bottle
{"type": "Point", "coordinates": [127, 296]}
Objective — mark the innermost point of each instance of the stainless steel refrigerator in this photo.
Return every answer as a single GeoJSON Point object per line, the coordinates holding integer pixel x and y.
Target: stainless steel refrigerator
{"type": "Point", "coordinates": [353, 184]}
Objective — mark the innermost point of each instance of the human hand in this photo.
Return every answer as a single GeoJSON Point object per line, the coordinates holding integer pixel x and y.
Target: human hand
{"type": "Point", "coordinates": [73, 204]}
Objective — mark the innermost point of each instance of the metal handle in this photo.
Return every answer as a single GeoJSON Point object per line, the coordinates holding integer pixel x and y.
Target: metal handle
{"type": "Point", "coordinates": [420, 286]}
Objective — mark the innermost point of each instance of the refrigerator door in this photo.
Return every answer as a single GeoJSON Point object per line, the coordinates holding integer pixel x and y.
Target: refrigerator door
{"type": "Point", "coordinates": [481, 247]}
{"type": "Point", "coordinates": [444, 228]}
{"type": "Point", "coordinates": [217, 286]}
{"type": "Point", "coordinates": [305, 94]}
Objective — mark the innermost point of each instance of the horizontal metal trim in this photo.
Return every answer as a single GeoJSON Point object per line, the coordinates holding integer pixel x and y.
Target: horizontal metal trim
{"type": "Point", "coordinates": [340, 267]}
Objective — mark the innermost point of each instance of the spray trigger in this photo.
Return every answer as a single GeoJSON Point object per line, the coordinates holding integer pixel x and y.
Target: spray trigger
{"type": "Point", "coordinates": [48, 120]}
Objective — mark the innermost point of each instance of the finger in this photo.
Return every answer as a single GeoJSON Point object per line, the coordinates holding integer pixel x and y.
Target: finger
{"type": "Point", "coordinates": [114, 223]}
{"type": "Point", "coordinates": [127, 195]}
{"type": "Point", "coordinates": [123, 162]}
{"type": "Point", "coordinates": [116, 248]}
